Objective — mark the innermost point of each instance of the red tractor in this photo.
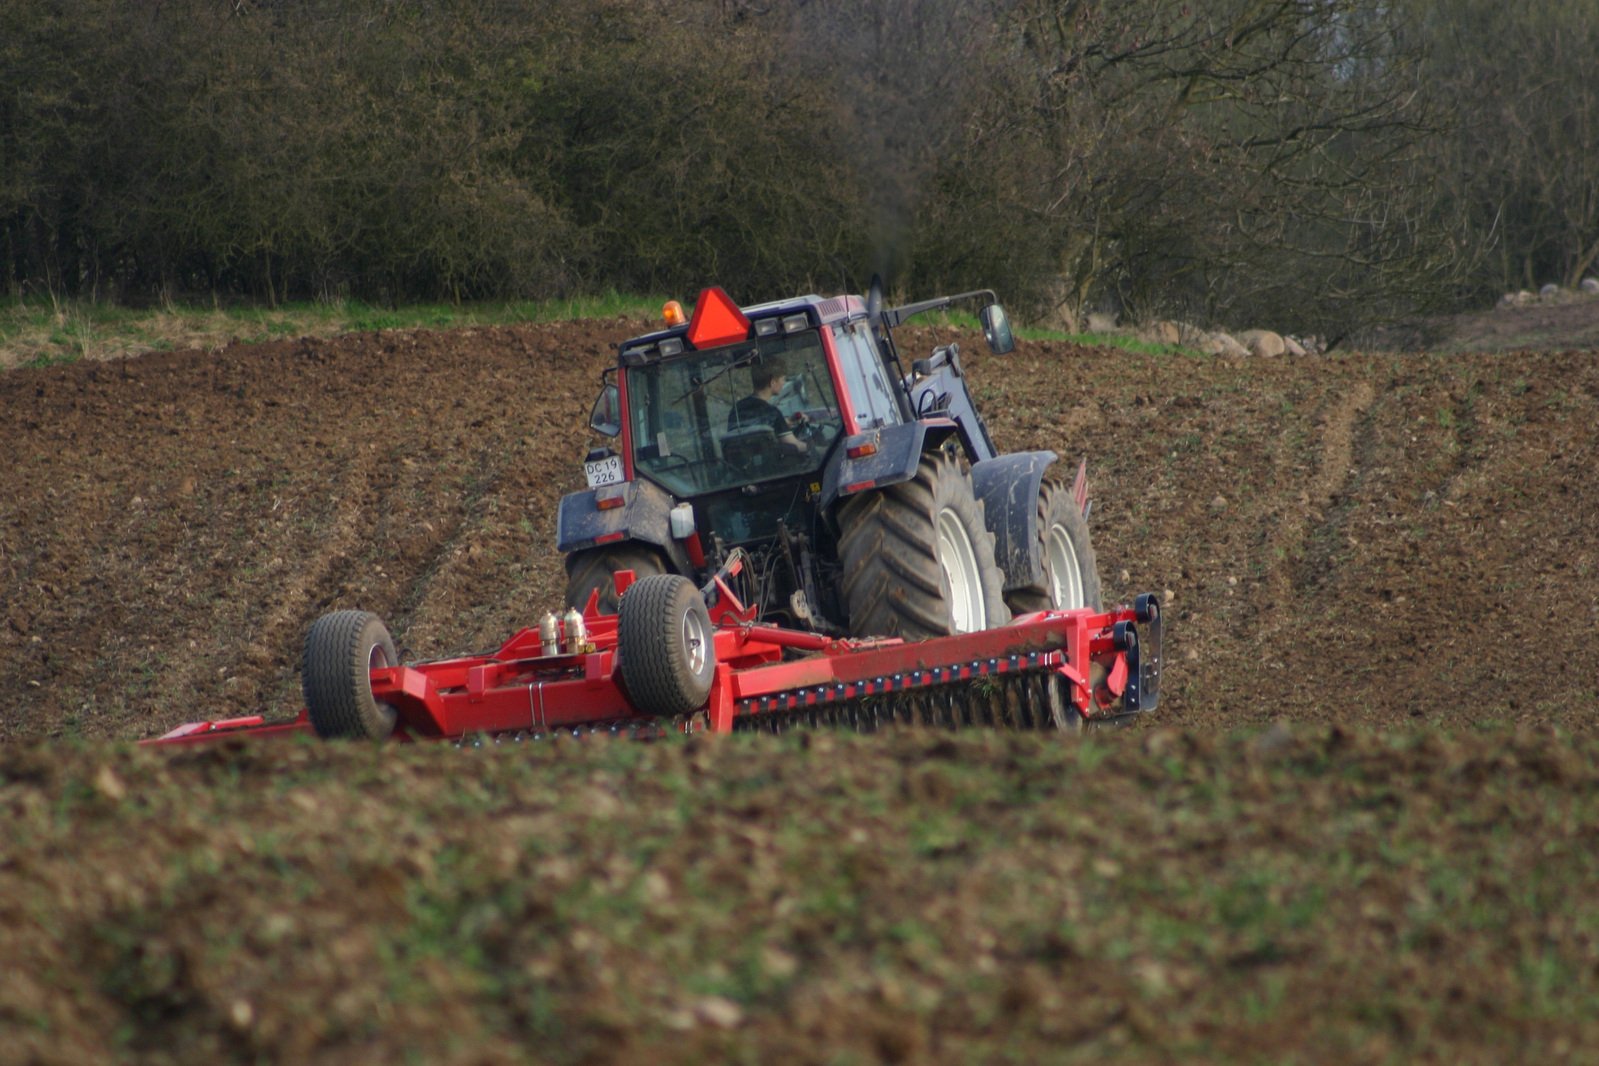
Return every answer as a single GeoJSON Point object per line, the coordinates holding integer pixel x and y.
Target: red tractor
{"type": "Point", "coordinates": [792, 530]}
{"type": "Point", "coordinates": [866, 500]}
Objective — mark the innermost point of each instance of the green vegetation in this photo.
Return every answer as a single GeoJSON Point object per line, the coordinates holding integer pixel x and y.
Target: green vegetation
{"type": "Point", "coordinates": [44, 332]}
{"type": "Point", "coordinates": [1304, 895]}
{"type": "Point", "coordinates": [40, 332]}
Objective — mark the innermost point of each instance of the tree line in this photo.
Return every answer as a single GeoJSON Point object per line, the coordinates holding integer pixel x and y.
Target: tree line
{"type": "Point", "coordinates": [1303, 162]}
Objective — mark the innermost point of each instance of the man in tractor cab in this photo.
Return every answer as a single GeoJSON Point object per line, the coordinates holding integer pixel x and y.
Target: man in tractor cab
{"type": "Point", "coordinates": [757, 409]}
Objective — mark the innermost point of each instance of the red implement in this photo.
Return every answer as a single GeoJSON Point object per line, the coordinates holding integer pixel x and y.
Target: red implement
{"type": "Point", "coordinates": [1057, 669]}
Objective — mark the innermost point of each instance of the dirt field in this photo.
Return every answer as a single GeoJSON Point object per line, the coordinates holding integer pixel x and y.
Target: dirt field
{"type": "Point", "coordinates": [1365, 539]}
{"type": "Point", "coordinates": [1382, 697]}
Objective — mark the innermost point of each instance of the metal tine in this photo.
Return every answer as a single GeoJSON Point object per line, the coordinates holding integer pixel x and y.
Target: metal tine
{"type": "Point", "coordinates": [1021, 706]}
{"type": "Point", "coordinates": [876, 712]}
{"type": "Point", "coordinates": [981, 710]}
{"type": "Point", "coordinates": [1053, 700]}
{"type": "Point", "coordinates": [1030, 702]}
{"type": "Point", "coordinates": [968, 710]}
{"type": "Point", "coordinates": [1045, 715]}
{"type": "Point", "coordinates": [949, 709]}
{"type": "Point", "coordinates": [960, 708]}
{"type": "Point", "coordinates": [867, 717]}
{"type": "Point", "coordinates": [999, 704]}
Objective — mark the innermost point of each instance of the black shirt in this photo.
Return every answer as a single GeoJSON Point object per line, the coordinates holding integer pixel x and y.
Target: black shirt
{"type": "Point", "coordinates": [754, 411]}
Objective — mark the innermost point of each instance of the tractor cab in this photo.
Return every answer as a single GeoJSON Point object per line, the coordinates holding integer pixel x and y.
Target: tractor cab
{"type": "Point", "coordinates": [785, 446]}
{"type": "Point", "coordinates": [703, 422]}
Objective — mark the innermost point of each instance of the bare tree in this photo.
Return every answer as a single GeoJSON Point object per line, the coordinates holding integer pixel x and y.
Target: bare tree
{"type": "Point", "coordinates": [1521, 158]}
{"type": "Point", "coordinates": [1249, 157]}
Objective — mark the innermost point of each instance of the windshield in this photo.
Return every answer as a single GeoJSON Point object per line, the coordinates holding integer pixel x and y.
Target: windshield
{"type": "Point", "coordinates": [717, 420]}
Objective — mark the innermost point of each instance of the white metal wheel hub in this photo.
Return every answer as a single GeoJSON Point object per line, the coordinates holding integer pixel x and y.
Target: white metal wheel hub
{"type": "Point", "coordinates": [695, 641]}
{"type": "Point", "coordinates": [959, 563]}
{"type": "Point", "coordinates": [1065, 576]}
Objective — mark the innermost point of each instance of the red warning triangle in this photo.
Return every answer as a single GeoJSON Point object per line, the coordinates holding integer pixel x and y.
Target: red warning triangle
{"type": "Point", "coordinates": [717, 320]}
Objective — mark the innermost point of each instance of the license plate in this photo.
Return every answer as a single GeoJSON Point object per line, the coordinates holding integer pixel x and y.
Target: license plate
{"type": "Point", "coordinates": [603, 471]}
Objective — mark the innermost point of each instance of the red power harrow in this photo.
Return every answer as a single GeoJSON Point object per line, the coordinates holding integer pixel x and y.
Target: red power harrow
{"type": "Point", "coordinates": [667, 663]}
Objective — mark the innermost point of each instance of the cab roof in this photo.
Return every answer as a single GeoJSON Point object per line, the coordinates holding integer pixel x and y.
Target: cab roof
{"type": "Point", "coordinates": [764, 318]}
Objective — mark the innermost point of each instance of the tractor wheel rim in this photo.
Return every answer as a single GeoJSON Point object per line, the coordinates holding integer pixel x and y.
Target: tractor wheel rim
{"type": "Point", "coordinates": [959, 563]}
{"type": "Point", "coordinates": [695, 642]}
{"type": "Point", "coordinates": [1065, 576]}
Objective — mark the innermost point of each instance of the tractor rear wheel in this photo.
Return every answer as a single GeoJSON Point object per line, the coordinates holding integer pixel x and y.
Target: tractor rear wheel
{"type": "Point", "coordinates": [664, 647]}
{"type": "Point", "coordinates": [594, 568]}
{"type": "Point", "coordinates": [1069, 573]}
{"type": "Point", "coordinates": [341, 651]}
{"type": "Point", "coordinates": [918, 560]}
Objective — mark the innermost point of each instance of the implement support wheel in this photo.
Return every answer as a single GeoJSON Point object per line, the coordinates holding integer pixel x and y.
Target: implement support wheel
{"type": "Point", "coordinates": [341, 651]}
{"type": "Point", "coordinates": [665, 653]}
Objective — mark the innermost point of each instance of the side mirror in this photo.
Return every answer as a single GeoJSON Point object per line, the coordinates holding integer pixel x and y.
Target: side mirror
{"type": "Point", "coordinates": [606, 418]}
{"type": "Point", "coordinates": [996, 329]}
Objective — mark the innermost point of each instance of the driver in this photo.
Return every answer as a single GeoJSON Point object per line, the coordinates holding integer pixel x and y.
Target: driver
{"type": "Point", "coordinates": [757, 409]}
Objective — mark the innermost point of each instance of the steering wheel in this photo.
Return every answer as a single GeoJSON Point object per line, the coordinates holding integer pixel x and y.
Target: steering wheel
{"type": "Point", "coordinates": [809, 429]}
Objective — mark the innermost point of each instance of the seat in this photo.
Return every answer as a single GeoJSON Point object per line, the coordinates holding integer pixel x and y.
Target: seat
{"type": "Point", "coordinates": [751, 450]}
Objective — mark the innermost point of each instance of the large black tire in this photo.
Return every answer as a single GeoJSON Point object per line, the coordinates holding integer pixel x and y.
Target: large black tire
{"type": "Point", "coordinates": [665, 651]}
{"type": "Point", "coordinates": [341, 650]}
{"type": "Point", "coordinates": [895, 547]}
{"type": "Point", "coordinates": [594, 568]}
{"type": "Point", "coordinates": [1069, 572]}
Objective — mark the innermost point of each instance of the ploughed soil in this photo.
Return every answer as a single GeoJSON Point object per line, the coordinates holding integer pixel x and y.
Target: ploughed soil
{"type": "Point", "coordinates": [1359, 827]}
{"type": "Point", "coordinates": [1362, 539]}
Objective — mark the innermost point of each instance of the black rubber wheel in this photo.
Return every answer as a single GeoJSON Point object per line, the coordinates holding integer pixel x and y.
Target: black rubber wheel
{"type": "Point", "coordinates": [918, 559]}
{"type": "Point", "coordinates": [665, 653]}
{"type": "Point", "coordinates": [341, 650]}
{"type": "Point", "coordinates": [1069, 572]}
{"type": "Point", "coordinates": [593, 568]}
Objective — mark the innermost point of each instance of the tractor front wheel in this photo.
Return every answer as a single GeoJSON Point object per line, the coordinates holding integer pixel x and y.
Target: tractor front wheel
{"type": "Point", "coordinates": [341, 651]}
{"type": "Point", "coordinates": [1068, 576]}
{"type": "Point", "coordinates": [918, 560]}
{"type": "Point", "coordinates": [664, 647]}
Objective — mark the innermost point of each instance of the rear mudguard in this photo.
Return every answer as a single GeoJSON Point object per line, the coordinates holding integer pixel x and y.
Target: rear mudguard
{"type": "Point", "coordinates": [896, 455]}
{"type": "Point", "coordinates": [1008, 485]}
{"type": "Point", "coordinates": [644, 516]}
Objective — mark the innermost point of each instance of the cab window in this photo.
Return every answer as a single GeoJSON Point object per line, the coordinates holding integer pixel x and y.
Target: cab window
{"type": "Point", "coordinates": [868, 385]}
